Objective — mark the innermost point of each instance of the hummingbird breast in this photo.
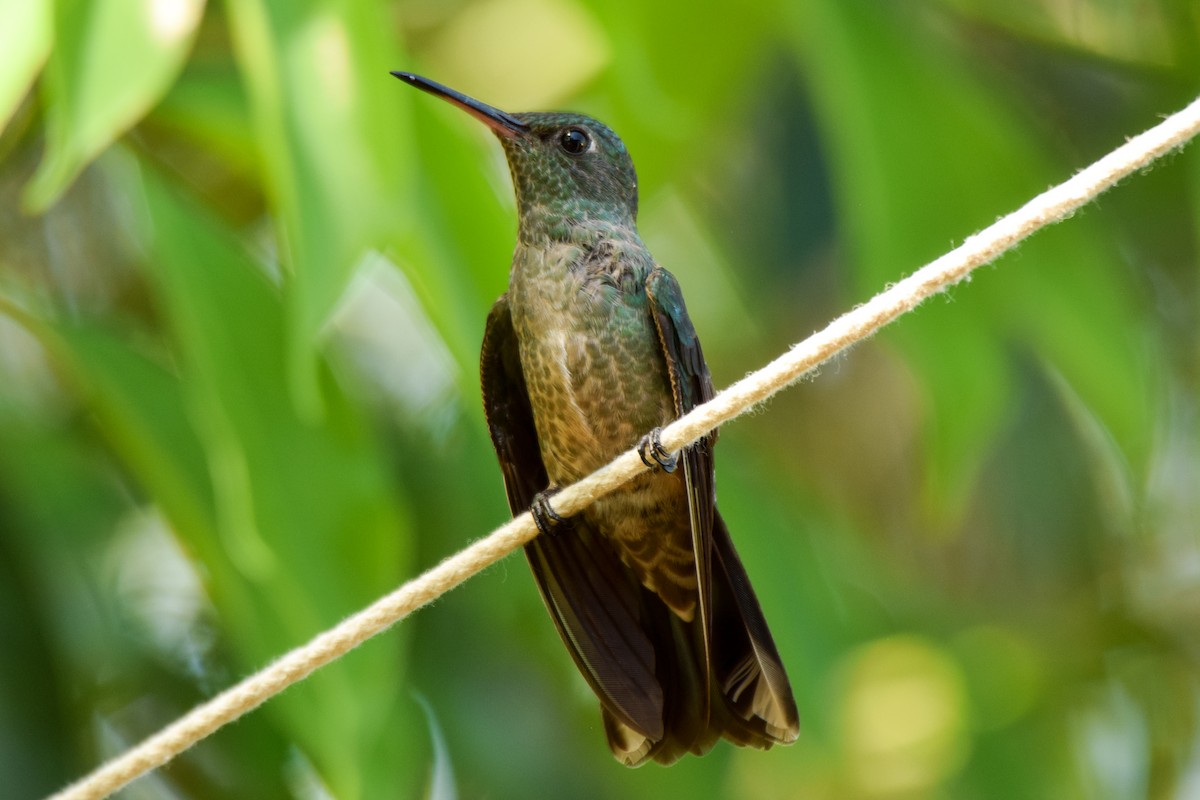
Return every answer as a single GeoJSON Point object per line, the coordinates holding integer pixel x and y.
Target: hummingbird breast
{"type": "Point", "coordinates": [597, 382]}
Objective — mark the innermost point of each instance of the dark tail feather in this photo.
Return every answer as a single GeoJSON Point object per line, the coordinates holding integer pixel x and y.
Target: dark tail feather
{"type": "Point", "coordinates": [678, 670]}
{"type": "Point", "coordinates": [747, 670]}
{"type": "Point", "coordinates": [750, 698]}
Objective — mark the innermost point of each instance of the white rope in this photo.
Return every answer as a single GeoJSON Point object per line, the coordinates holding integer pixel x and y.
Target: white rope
{"type": "Point", "coordinates": [1051, 206]}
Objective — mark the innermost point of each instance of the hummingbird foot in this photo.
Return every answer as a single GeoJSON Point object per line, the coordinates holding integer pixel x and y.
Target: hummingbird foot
{"type": "Point", "coordinates": [545, 518]}
{"type": "Point", "coordinates": [654, 455]}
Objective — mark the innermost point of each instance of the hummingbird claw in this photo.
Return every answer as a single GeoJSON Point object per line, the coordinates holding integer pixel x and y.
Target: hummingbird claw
{"type": "Point", "coordinates": [654, 455]}
{"type": "Point", "coordinates": [544, 517]}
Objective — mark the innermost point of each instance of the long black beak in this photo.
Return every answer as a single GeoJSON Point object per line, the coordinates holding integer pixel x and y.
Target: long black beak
{"type": "Point", "coordinates": [503, 123]}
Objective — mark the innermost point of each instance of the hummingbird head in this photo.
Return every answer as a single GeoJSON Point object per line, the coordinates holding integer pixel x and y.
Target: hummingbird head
{"type": "Point", "coordinates": [568, 169]}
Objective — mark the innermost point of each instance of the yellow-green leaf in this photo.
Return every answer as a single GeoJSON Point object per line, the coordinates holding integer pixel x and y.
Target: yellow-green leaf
{"type": "Point", "coordinates": [24, 42]}
{"type": "Point", "coordinates": [112, 61]}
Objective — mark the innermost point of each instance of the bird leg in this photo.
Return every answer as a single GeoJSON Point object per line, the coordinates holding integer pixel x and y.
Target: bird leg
{"type": "Point", "coordinates": [654, 455]}
{"type": "Point", "coordinates": [545, 518]}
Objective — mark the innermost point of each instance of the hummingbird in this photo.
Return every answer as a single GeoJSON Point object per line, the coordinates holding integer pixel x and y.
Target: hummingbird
{"type": "Point", "coordinates": [589, 353]}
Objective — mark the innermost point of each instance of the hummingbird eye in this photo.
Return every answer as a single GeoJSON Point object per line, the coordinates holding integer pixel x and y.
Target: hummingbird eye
{"type": "Point", "coordinates": [575, 141]}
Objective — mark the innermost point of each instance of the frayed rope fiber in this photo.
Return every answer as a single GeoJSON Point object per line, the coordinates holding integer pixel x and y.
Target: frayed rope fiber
{"type": "Point", "coordinates": [1051, 206]}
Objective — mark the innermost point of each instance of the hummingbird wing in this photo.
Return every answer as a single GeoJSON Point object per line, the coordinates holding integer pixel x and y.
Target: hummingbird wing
{"type": "Point", "coordinates": [756, 703]}
{"type": "Point", "coordinates": [594, 600]}
{"type": "Point", "coordinates": [691, 385]}
{"type": "Point", "coordinates": [509, 414]}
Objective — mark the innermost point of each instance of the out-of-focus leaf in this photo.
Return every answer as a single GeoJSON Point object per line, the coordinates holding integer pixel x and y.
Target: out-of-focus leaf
{"type": "Point", "coordinates": [44, 493]}
{"type": "Point", "coordinates": [65, 508]}
{"type": "Point", "coordinates": [906, 190]}
{"type": "Point", "coordinates": [536, 33]}
{"type": "Point", "coordinates": [332, 140]}
{"type": "Point", "coordinates": [112, 60]}
{"type": "Point", "coordinates": [24, 43]}
{"type": "Point", "coordinates": [143, 412]}
{"type": "Point", "coordinates": [1157, 34]}
{"type": "Point", "coordinates": [305, 515]}
{"type": "Point", "coordinates": [209, 108]}
{"type": "Point", "coordinates": [141, 408]}
{"type": "Point", "coordinates": [659, 105]}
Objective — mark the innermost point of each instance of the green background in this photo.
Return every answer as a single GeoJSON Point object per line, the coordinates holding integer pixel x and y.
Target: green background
{"type": "Point", "coordinates": [243, 279]}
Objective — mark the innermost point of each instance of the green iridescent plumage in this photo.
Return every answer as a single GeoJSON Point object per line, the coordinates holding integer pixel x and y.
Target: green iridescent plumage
{"type": "Point", "coordinates": [590, 348]}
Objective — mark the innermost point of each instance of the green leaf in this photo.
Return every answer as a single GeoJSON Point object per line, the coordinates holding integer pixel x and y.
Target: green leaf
{"type": "Point", "coordinates": [656, 106]}
{"type": "Point", "coordinates": [24, 44]}
{"type": "Point", "coordinates": [329, 129]}
{"type": "Point", "coordinates": [907, 190]}
{"type": "Point", "coordinates": [113, 59]}
{"type": "Point", "coordinates": [142, 410]}
{"type": "Point", "coordinates": [72, 510]}
{"type": "Point", "coordinates": [305, 512]}
{"type": "Point", "coordinates": [208, 107]}
{"type": "Point", "coordinates": [140, 407]}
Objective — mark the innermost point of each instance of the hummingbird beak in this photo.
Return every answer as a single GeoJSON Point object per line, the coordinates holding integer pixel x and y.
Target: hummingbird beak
{"type": "Point", "coordinates": [502, 123]}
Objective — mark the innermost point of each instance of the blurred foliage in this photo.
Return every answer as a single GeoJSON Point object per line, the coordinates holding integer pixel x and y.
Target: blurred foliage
{"type": "Point", "coordinates": [243, 279]}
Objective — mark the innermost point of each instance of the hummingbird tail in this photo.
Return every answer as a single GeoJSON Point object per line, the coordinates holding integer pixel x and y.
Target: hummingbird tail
{"type": "Point", "coordinates": [749, 698]}
{"type": "Point", "coordinates": [646, 664]}
{"type": "Point", "coordinates": [748, 674]}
